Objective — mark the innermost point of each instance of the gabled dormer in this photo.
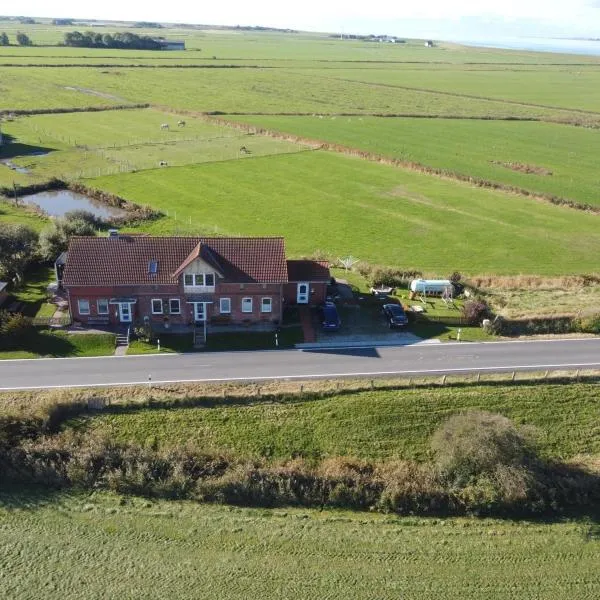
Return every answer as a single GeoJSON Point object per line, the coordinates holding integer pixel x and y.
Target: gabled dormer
{"type": "Point", "coordinates": [199, 272]}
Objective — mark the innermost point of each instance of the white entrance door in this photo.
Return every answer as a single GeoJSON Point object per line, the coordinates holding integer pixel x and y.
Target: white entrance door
{"type": "Point", "coordinates": [199, 311]}
{"type": "Point", "coordinates": [125, 312]}
{"type": "Point", "coordinates": [302, 296]}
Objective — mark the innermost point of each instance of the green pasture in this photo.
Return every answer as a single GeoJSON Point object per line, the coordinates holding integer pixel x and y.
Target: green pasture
{"type": "Point", "coordinates": [379, 425]}
{"type": "Point", "coordinates": [264, 90]}
{"type": "Point", "coordinates": [570, 87]}
{"type": "Point", "coordinates": [80, 145]}
{"type": "Point", "coordinates": [108, 546]}
{"type": "Point", "coordinates": [566, 155]}
{"type": "Point", "coordinates": [9, 213]}
{"type": "Point", "coordinates": [336, 205]}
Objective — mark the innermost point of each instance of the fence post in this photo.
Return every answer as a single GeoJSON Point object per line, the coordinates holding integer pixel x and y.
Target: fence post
{"type": "Point", "coordinates": [372, 384]}
{"type": "Point", "coordinates": [577, 375]}
{"type": "Point", "coordinates": [546, 375]}
{"type": "Point", "coordinates": [478, 376]}
{"type": "Point", "coordinates": [444, 380]}
{"type": "Point", "coordinates": [514, 374]}
{"type": "Point", "coordinates": [301, 388]}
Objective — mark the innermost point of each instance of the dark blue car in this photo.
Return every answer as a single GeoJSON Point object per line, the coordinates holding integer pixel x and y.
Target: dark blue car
{"type": "Point", "coordinates": [330, 319]}
{"type": "Point", "coordinates": [395, 315]}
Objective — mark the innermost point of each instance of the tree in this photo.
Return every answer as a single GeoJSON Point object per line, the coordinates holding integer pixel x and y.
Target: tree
{"type": "Point", "coordinates": [54, 239]}
{"type": "Point", "coordinates": [4, 41]}
{"type": "Point", "coordinates": [18, 248]}
{"type": "Point", "coordinates": [23, 39]}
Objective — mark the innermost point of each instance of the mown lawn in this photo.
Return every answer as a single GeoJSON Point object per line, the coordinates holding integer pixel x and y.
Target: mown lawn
{"type": "Point", "coordinates": [36, 343]}
{"type": "Point", "coordinates": [370, 425]}
{"type": "Point", "coordinates": [106, 546]}
{"type": "Point", "coordinates": [564, 156]}
{"type": "Point", "coordinates": [332, 204]}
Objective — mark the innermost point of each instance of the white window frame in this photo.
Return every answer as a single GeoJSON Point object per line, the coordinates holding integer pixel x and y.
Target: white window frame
{"type": "Point", "coordinates": [262, 305]}
{"type": "Point", "coordinates": [186, 275]}
{"type": "Point", "coordinates": [154, 312]}
{"type": "Point", "coordinates": [221, 309]}
{"type": "Point", "coordinates": [175, 312]}
{"type": "Point", "coordinates": [104, 302]}
{"type": "Point", "coordinates": [244, 302]}
{"type": "Point", "coordinates": [79, 309]}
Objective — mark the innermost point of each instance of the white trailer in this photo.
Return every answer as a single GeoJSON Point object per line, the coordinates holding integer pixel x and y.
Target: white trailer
{"type": "Point", "coordinates": [431, 287]}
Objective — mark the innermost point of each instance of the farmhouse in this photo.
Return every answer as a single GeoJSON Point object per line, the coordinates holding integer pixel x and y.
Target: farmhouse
{"type": "Point", "coordinates": [181, 282]}
{"type": "Point", "coordinates": [171, 44]}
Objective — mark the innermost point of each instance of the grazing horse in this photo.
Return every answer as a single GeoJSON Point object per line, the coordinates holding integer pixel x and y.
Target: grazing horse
{"type": "Point", "coordinates": [163, 163]}
{"type": "Point", "coordinates": [164, 126]}
{"type": "Point", "coordinates": [180, 123]}
{"type": "Point", "coordinates": [244, 150]}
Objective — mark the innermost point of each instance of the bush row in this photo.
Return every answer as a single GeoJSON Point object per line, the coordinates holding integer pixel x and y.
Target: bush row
{"type": "Point", "coordinates": [483, 465]}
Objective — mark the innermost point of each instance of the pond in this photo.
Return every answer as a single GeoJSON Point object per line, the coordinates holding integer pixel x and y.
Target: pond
{"type": "Point", "coordinates": [58, 202]}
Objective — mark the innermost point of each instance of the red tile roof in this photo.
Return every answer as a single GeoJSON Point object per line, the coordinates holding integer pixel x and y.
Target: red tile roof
{"type": "Point", "coordinates": [124, 260]}
{"type": "Point", "coordinates": [308, 270]}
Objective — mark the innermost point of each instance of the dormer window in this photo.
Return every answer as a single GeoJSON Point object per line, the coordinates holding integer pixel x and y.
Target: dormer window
{"type": "Point", "coordinates": [199, 280]}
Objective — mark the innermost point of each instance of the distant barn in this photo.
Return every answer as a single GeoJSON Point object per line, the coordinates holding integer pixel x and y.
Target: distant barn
{"type": "Point", "coordinates": [171, 44]}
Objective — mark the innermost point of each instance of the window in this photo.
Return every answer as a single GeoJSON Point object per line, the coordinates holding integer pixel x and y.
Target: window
{"type": "Point", "coordinates": [246, 305]}
{"type": "Point", "coordinates": [153, 267]}
{"type": "Point", "coordinates": [266, 305]}
{"type": "Point", "coordinates": [188, 279]}
{"type": "Point", "coordinates": [83, 306]}
{"type": "Point", "coordinates": [209, 280]}
{"type": "Point", "coordinates": [199, 279]}
{"type": "Point", "coordinates": [225, 306]}
{"type": "Point", "coordinates": [102, 305]}
{"type": "Point", "coordinates": [174, 306]}
{"type": "Point", "coordinates": [157, 307]}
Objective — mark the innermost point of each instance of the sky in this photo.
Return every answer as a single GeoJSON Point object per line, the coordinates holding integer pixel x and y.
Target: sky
{"type": "Point", "coordinates": [439, 19]}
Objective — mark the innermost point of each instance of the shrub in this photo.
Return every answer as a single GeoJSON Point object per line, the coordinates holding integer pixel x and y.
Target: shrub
{"type": "Point", "coordinates": [479, 443]}
{"type": "Point", "coordinates": [475, 310]}
{"type": "Point", "coordinates": [14, 324]}
{"type": "Point", "coordinates": [589, 323]}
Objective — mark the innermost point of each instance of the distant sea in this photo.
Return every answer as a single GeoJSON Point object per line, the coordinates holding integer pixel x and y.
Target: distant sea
{"type": "Point", "coordinates": [559, 45]}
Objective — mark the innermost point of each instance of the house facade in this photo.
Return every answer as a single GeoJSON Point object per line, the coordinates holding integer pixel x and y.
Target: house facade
{"type": "Point", "coordinates": [181, 281]}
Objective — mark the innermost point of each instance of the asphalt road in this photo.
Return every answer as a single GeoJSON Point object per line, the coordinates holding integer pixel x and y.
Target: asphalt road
{"type": "Point", "coordinates": [298, 364]}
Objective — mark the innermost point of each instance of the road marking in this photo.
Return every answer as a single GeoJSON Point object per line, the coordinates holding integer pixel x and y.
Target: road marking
{"type": "Point", "coordinates": [440, 371]}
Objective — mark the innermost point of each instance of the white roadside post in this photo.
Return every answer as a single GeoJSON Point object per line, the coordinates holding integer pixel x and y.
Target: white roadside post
{"type": "Point", "coordinates": [458, 334]}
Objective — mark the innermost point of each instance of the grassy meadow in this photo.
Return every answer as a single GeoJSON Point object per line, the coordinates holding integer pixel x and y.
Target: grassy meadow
{"type": "Point", "coordinates": [108, 546]}
{"type": "Point", "coordinates": [379, 425]}
{"type": "Point", "coordinates": [323, 202]}
{"type": "Point", "coordinates": [561, 159]}
{"type": "Point", "coordinates": [80, 145]}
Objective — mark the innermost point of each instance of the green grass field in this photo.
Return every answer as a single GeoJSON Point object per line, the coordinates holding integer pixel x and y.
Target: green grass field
{"type": "Point", "coordinates": [564, 156]}
{"type": "Point", "coordinates": [325, 202]}
{"type": "Point", "coordinates": [82, 145]}
{"type": "Point", "coordinates": [105, 546]}
{"type": "Point", "coordinates": [376, 425]}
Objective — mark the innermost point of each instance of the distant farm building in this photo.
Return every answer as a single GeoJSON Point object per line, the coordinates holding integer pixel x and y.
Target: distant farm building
{"type": "Point", "coordinates": [428, 44]}
{"type": "Point", "coordinates": [171, 44]}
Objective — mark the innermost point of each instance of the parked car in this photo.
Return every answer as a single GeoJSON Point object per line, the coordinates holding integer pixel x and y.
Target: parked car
{"type": "Point", "coordinates": [330, 319]}
{"type": "Point", "coordinates": [395, 315]}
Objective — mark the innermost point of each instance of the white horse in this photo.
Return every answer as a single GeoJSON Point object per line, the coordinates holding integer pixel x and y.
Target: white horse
{"type": "Point", "coordinates": [164, 126]}
{"type": "Point", "coordinates": [180, 123]}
